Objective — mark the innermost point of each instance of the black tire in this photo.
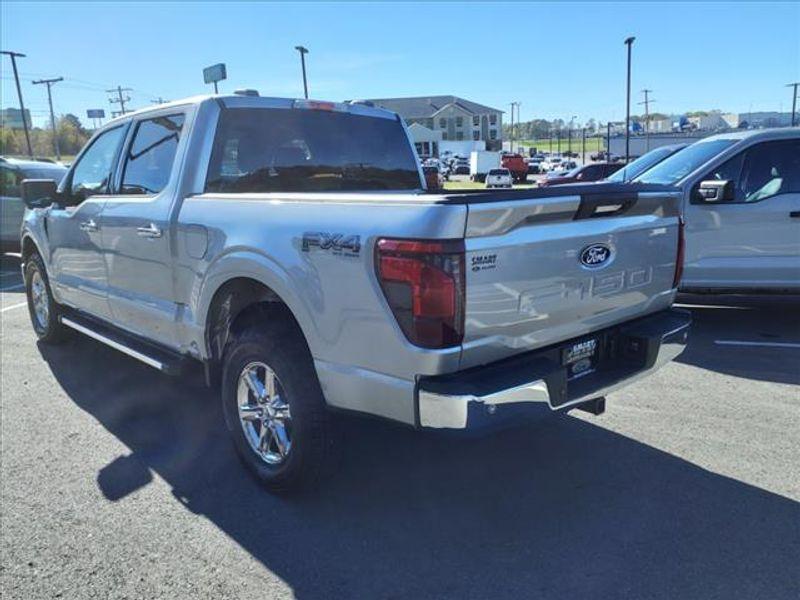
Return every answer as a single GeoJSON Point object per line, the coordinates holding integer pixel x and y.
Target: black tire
{"type": "Point", "coordinates": [48, 329]}
{"type": "Point", "coordinates": [272, 339]}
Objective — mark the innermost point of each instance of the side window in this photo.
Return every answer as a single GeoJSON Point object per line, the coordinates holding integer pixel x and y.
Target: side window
{"type": "Point", "coordinates": [9, 183]}
{"type": "Point", "coordinates": [770, 169]}
{"type": "Point", "coordinates": [93, 170]}
{"type": "Point", "coordinates": [730, 170]}
{"type": "Point", "coordinates": [148, 163]}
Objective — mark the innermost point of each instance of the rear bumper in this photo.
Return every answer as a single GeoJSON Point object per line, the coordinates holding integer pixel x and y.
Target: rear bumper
{"type": "Point", "coordinates": [505, 391]}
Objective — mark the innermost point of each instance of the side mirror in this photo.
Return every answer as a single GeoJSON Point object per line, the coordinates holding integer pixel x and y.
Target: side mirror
{"type": "Point", "coordinates": [714, 190]}
{"type": "Point", "coordinates": [38, 193]}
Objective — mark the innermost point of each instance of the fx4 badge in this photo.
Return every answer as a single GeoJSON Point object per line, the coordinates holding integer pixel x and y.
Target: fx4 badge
{"type": "Point", "coordinates": [338, 243]}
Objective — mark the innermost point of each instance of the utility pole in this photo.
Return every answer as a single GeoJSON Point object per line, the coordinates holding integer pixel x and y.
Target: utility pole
{"type": "Point", "coordinates": [303, 51]}
{"type": "Point", "coordinates": [583, 145]}
{"type": "Point", "coordinates": [162, 101]}
{"type": "Point", "coordinates": [608, 141]}
{"type": "Point", "coordinates": [647, 101]}
{"type": "Point", "coordinates": [558, 138]}
{"type": "Point", "coordinates": [513, 104]}
{"type": "Point", "coordinates": [629, 43]}
{"type": "Point", "coordinates": [791, 85]}
{"type": "Point", "coordinates": [120, 99]}
{"type": "Point", "coordinates": [49, 83]}
{"type": "Point", "coordinates": [14, 56]}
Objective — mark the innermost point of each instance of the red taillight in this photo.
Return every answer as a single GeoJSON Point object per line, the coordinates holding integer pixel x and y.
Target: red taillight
{"type": "Point", "coordinates": [679, 258]}
{"type": "Point", "coordinates": [423, 281]}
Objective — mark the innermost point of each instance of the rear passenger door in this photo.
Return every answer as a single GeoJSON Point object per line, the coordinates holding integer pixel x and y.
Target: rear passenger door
{"type": "Point", "coordinates": [11, 207]}
{"type": "Point", "coordinates": [752, 241]}
{"type": "Point", "coordinates": [137, 245]}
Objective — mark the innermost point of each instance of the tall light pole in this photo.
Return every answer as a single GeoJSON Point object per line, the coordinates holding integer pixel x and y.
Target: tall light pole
{"type": "Point", "coordinates": [569, 134]}
{"type": "Point", "coordinates": [791, 85]}
{"type": "Point", "coordinates": [49, 83]}
{"type": "Point", "coordinates": [513, 104]}
{"type": "Point", "coordinates": [14, 56]}
{"type": "Point", "coordinates": [303, 51]}
{"type": "Point", "coordinates": [629, 43]}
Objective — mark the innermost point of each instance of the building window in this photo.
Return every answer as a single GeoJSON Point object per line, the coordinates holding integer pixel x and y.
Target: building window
{"type": "Point", "coordinates": [444, 136]}
{"type": "Point", "coordinates": [493, 119]}
{"type": "Point", "coordinates": [459, 121]}
{"type": "Point", "coordinates": [476, 135]}
{"type": "Point", "coordinates": [459, 135]}
{"type": "Point", "coordinates": [476, 120]}
{"type": "Point", "coordinates": [493, 134]}
{"type": "Point", "coordinates": [443, 123]}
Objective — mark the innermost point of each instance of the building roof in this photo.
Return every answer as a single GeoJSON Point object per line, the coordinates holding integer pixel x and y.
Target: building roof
{"type": "Point", "coordinates": [428, 106]}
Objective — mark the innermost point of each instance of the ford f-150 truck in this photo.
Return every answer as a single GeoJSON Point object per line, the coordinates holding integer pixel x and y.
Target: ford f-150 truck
{"type": "Point", "coordinates": [289, 246]}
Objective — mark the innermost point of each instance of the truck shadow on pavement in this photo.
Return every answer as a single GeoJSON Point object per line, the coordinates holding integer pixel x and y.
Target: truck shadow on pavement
{"type": "Point", "coordinates": [763, 320]}
{"type": "Point", "coordinates": [562, 509]}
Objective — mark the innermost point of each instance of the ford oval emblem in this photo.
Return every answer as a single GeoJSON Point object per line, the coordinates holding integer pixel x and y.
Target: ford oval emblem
{"type": "Point", "coordinates": [595, 256]}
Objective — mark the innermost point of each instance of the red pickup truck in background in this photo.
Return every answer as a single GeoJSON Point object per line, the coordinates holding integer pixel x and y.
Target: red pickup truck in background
{"type": "Point", "coordinates": [517, 165]}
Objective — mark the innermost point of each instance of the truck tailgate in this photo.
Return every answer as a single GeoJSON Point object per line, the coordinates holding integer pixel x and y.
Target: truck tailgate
{"type": "Point", "coordinates": [557, 266]}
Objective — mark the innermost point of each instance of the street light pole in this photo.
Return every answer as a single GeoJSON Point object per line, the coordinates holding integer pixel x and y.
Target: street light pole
{"type": "Point", "coordinates": [303, 51]}
{"type": "Point", "coordinates": [628, 42]}
{"type": "Point", "coordinates": [794, 98]}
{"type": "Point", "coordinates": [583, 145]}
{"type": "Point", "coordinates": [14, 56]}
{"type": "Point", "coordinates": [49, 83]}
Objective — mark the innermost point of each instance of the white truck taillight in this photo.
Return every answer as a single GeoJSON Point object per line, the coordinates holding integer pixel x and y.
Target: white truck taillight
{"type": "Point", "coordinates": [423, 281]}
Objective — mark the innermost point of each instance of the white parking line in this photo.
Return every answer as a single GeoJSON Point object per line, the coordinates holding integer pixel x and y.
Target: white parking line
{"type": "Point", "coordinates": [764, 344]}
{"type": "Point", "coordinates": [11, 288]}
{"type": "Point", "coordinates": [13, 306]}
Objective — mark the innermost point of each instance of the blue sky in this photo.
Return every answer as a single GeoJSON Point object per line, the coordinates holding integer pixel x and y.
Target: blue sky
{"type": "Point", "coordinates": [558, 60]}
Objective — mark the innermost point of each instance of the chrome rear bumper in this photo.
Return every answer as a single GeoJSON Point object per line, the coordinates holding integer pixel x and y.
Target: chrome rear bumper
{"type": "Point", "coordinates": [483, 396]}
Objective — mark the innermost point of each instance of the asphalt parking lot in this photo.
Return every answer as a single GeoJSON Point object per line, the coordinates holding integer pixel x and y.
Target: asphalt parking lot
{"type": "Point", "coordinates": [117, 482]}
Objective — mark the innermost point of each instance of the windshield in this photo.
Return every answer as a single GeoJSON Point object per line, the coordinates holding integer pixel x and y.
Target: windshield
{"type": "Point", "coordinates": [641, 164]}
{"type": "Point", "coordinates": [298, 150]}
{"type": "Point", "coordinates": [498, 172]}
{"type": "Point", "coordinates": [679, 165]}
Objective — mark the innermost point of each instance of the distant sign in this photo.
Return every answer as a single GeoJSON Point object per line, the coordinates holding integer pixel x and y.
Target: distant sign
{"type": "Point", "coordinates": [215, 73]}
{"type": "Point", "coordinates": [96, 113]}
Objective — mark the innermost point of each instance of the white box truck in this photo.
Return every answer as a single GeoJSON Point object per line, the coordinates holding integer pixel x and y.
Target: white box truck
{"type": "Point", "coordinates": [481, 162]}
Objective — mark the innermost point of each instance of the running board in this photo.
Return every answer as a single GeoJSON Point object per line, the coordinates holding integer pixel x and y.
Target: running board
{"type": "Point", "coordinates": [143, 352]}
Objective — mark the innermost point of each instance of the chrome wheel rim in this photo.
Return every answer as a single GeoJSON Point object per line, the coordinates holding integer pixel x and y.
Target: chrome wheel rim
{"type": "Point", "coordinates": [264, 413]}
{"type": "Point", "coordinates": [39, 300]}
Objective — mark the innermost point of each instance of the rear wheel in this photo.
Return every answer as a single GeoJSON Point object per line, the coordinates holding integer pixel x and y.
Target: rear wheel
{"type": "Point", "coordinates": [43, 309]}
{"type": "Point", "coordinates": [273, 405]}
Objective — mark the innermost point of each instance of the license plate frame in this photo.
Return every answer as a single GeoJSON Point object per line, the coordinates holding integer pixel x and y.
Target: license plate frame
{"type": "Point", "coordinates": [580, 357]}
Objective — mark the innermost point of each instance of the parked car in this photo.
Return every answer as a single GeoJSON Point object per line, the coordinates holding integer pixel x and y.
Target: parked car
{"type": "Point", "coordinates": [499, 178]}
{"type": "Point", "coordinates": [461, 166]}
{"type": "Point", "coordinates": [228, 232]}
{"type": "Point", "coordinates": [586, 173]}
{"type": "Point", "coordinates": [433, 177]}
{"type": "Point", "coordinates": [741, 202]}
{"type": "Point", "coordinates": [534, 167]}
{"type": "Point", "coordinates": [553, 163]}
{"type": "Point", "coordinates": [12, 172]}
{"type": "Point", "coordinates": [643, 163]}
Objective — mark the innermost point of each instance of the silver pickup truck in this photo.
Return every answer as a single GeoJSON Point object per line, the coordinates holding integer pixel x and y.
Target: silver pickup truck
{"type": "Point", "coordinates": [289, 246]}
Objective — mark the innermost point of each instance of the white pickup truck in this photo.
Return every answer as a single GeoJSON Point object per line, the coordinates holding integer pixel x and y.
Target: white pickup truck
{"type": "Point", "coordinates": [289, 246]}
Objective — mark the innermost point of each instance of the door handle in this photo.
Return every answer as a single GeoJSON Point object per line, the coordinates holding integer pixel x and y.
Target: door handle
{"type": "Point", "coordinates": [795, 214]}
{"type": "Point", "coordinates": [151, 231]}
{"type": "Point", "coordinates": [89, 225]}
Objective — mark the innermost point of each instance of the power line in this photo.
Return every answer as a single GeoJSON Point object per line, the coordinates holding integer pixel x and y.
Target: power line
{"type": "Point", "coordinates": [50, 83]}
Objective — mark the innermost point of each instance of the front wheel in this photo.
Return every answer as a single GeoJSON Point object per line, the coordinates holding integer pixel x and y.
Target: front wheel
{"type": "Point", "coordinates": [273, 406]}
{"type": "Point", "coordinates": [43, 309]}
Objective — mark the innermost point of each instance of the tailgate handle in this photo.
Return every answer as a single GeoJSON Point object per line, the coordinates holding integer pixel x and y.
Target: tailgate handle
{"type": "Point", "coordinates": [602, 205]}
